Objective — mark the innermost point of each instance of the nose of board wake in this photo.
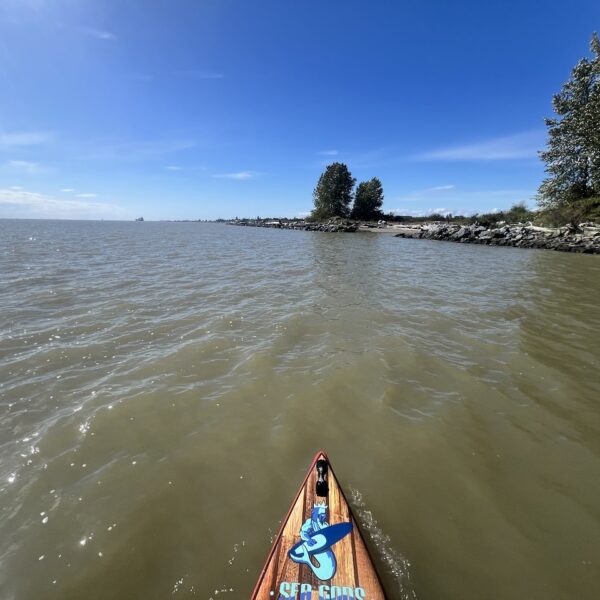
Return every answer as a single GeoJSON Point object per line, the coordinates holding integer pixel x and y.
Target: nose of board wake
{"type": "Point", "coordinates": [319, 552]}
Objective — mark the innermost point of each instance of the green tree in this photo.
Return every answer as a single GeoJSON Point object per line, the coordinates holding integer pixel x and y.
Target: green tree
{"type": "Point", "coordinates": [333, 193]}
{"type": "Point", "coordinates": [518, 213]}
{"type": "Point", "coordinates": [572, 156]}
{"type": "Point", "coordinates": [368, 200]}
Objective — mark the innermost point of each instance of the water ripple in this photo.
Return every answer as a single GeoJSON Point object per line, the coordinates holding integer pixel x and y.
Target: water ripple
{"type": "Point", "coordinates": [163, 386]}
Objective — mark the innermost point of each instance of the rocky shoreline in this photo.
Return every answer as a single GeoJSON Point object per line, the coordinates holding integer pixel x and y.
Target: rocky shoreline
{"type": "Point", "coordinates": [585, 238]}
{"type": "Point", "coordinates": [332, 225]}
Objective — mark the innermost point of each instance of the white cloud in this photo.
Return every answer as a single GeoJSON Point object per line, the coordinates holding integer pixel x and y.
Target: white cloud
{"type": "Point", "coordinates": [16, 187]}
{"type": "Point", "coordinates": [85, 195]}
{"type": "Point", "coordinates": [361, 160]}
{"type": "Point", "coordinates": [328, 153]}
{"type": "Point", "coordinates": [440, 188]}
{"type": "Point", "coordinates": [25, 166]}
{"type": "Point", "coordinates": [33, 5]}
{"type": "Point", "coordinates": [425, 193]}
{"type": "Point", "coordinates": [139, 150]}
{"type": "Point", "coordinates": [173, 168]}
{"type": "Point", "coordinates": [25, 204]}
{"type": "Point", "coordinates": [424, 212]}
{"type": "Point", "coordinates": [461, 202]}
{"type": "Point", "coordinates": [240, 176]}
{"type": "Point", "coordinates": [67, 190]}
{"type": "Point", "coordinates": [518, 146]}
{"type": "Point", "coordinates": [24, 138]}
{"type": "Point", "coordinates": [98, 33]}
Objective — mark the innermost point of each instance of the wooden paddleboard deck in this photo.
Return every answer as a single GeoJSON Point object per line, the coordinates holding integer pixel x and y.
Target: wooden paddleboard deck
{"type": "Point", "coordinates": [319, 552]}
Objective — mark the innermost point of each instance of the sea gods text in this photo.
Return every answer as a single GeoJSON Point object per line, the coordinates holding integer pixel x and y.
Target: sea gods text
{"type": "Point", "coordinates": [304, 591]}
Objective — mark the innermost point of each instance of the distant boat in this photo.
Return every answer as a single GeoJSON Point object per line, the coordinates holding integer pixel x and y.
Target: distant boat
{"type": "Point", "coordinates": [140, 219]}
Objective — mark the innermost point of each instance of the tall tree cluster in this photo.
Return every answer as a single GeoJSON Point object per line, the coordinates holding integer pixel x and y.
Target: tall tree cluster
{"type": "Point", "coordinates": [334, 195]}
{"type": "Point", "coordinates": [334, 192]}
{"type": "Point", "coordinates": [368, 200]}
{"type": "Point", "coordinates": [572, 155]}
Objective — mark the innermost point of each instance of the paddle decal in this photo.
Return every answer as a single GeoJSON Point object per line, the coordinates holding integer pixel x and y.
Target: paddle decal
{"type": "Point", "coordinates": [317, 537]}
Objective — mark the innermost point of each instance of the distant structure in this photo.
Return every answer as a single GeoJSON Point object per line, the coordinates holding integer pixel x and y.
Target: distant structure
{"type": "Point", "coordinates": [140, 219]}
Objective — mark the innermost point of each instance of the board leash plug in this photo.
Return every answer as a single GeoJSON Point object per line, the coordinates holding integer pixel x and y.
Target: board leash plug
{"type": "Point", "coordinates": [322, 487]}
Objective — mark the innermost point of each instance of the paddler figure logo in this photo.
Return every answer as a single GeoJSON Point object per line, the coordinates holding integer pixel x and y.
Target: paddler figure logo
{"type": "Point", "coordinates": [317, 537]}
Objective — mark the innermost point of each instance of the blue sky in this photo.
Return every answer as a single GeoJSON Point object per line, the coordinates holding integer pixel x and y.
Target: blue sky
{"type": "Point", "coordinates": [185, 109]}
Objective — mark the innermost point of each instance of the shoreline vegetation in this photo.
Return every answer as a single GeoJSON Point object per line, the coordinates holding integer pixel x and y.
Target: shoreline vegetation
{"type": "Point", "coordinates": [568, 215]}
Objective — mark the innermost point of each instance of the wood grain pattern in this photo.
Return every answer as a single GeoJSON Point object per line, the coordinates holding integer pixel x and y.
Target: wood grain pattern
{"type": "Point", "coordinates": [355, 577]}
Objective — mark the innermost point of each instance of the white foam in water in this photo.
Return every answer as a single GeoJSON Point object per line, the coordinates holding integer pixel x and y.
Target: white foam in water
{"type": "Point", "coordinates": [394, 562]}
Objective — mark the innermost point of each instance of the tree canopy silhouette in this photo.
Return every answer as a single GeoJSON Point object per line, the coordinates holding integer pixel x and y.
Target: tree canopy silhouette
{"type": "Point", "coordinates": [368, 200]}
{"type": "Point", "coordinates": [333, 194]}
{"type": "Point", "coordinates": [572, 155]}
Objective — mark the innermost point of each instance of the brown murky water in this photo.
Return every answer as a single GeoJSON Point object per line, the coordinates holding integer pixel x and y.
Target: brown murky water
{"type": "Point", "coordinates": [163, 387]}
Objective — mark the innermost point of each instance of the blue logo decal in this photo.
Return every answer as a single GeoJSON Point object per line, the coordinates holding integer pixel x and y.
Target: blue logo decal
{"type": "Point", "coordinates": [317, 537]}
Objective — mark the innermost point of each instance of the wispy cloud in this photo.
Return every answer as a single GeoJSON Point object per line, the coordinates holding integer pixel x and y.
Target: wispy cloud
{"type": "Point", "coordinates": [21, 203]}
{"type": "Point", "coordinates": [512, 147]}
{"type": "Point", "coordinates": [425, 193]}
{"type": "Point", "coordinates": [24, 138]}
{"type": "Point", "coordinates": [199, 74]}
{"type": "Point", "coordinates": [85, 195]}
{"type": "Point", "coordinates": [25, 166]}
{"type": "Point", "coordinates": [99, 34]}
{"type": "Point", "coordinates": [67, 190]}
{"type": "Point", "coordinates": [187, 168]}
{"type": "Point", "coordinates": [139, 150]}
{"type": "Point", "coordinates": [240, 175]}
{"type": "Point", "coordinates": [358, 160]}
{"type": "Point", "coordinates": [440, 188]}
